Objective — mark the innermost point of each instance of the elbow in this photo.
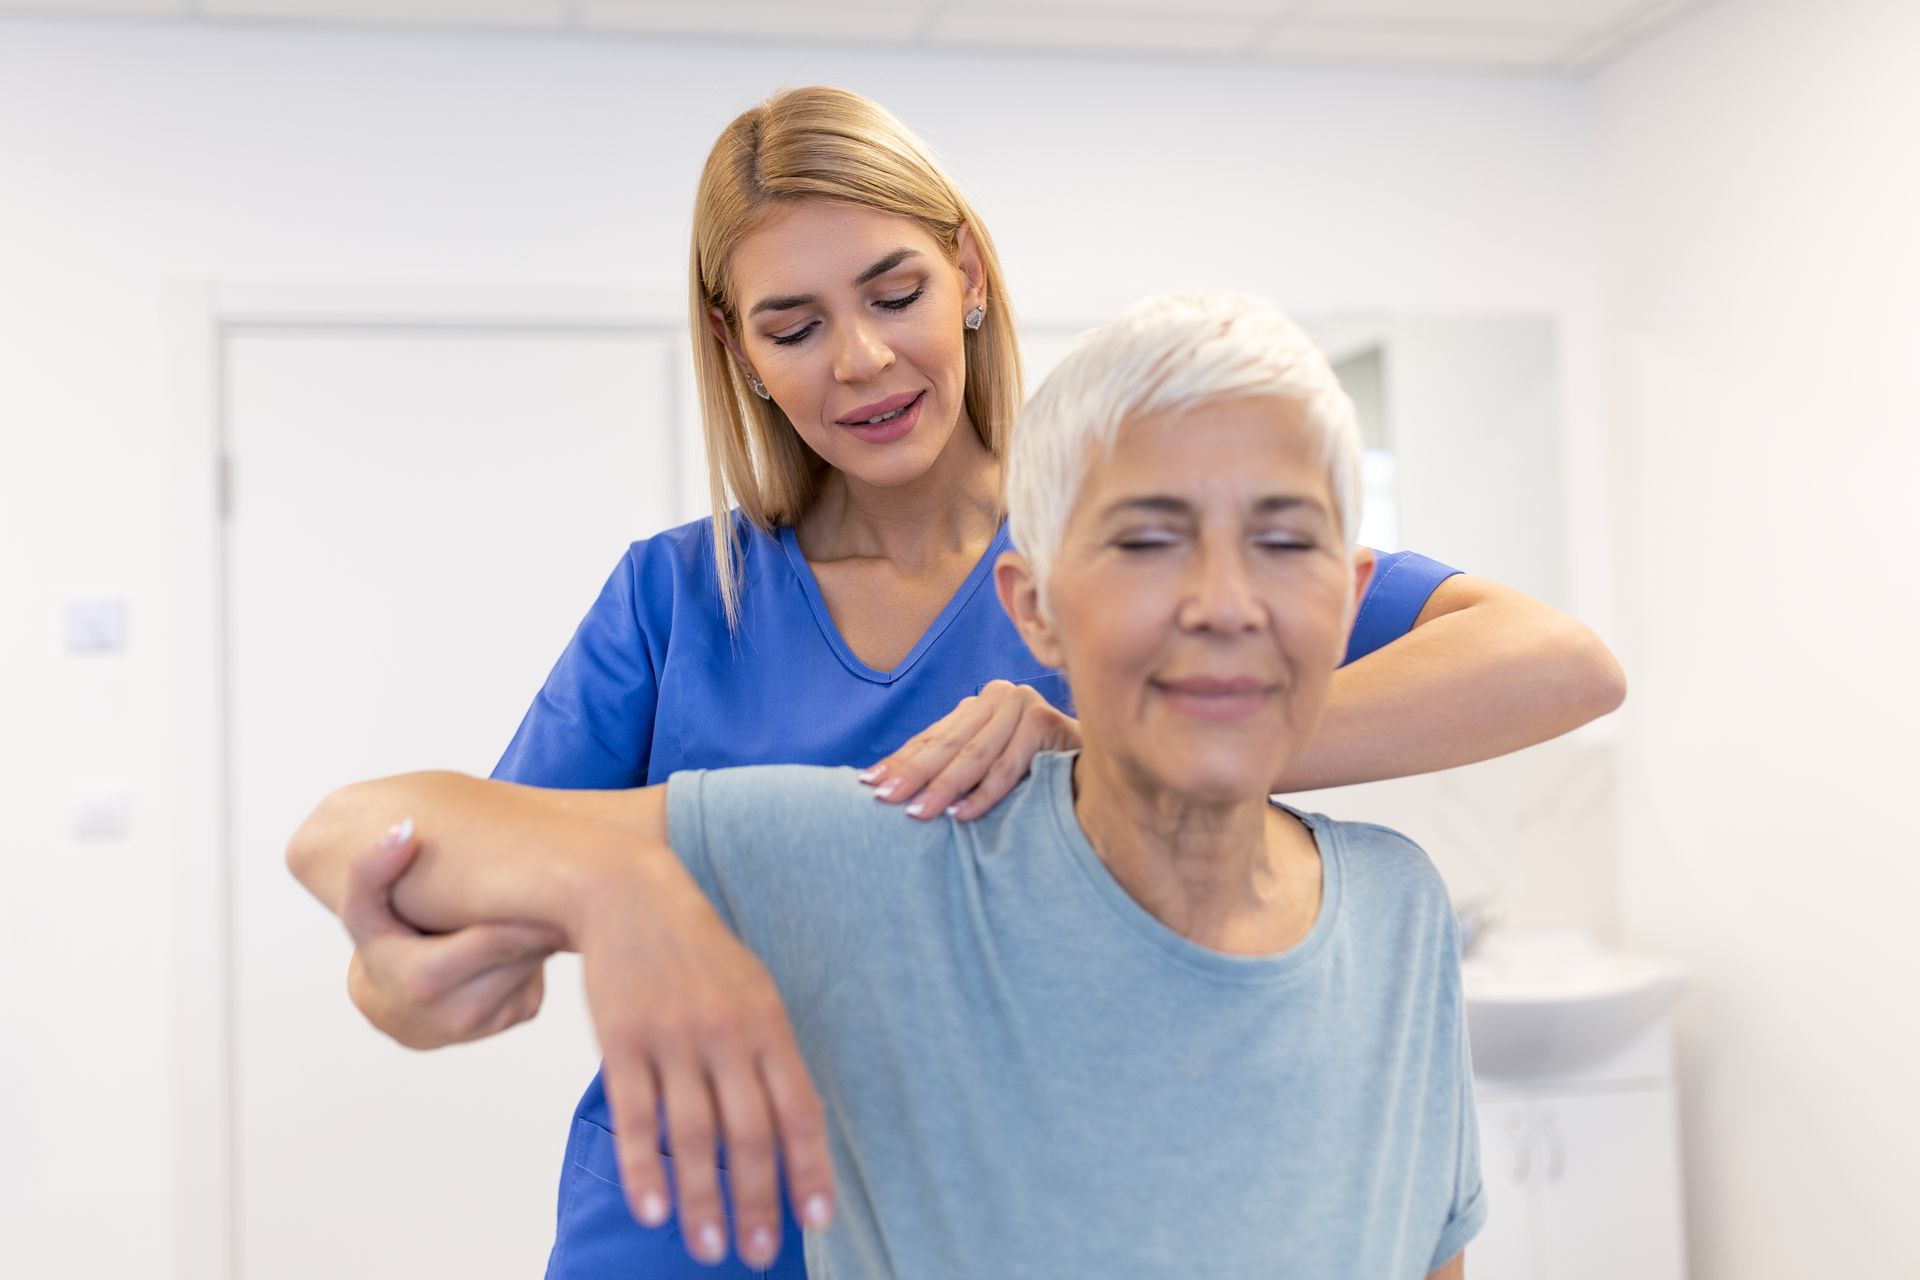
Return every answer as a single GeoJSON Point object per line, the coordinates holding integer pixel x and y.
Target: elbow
{"type": "Point", "coordinates": [1598, 684]}
{"type": "Point", "coordinates": [307, 848]}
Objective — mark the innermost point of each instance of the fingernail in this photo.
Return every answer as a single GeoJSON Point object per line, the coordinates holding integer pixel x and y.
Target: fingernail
{"type": "Point", "coordinates": [760, 1242]}
{"type": "Point", "coordinates": [398, 834]}
{"type": "Point", "coordinates": [952, 809]}
{"type": "Point", "coordinates": [917, 808]}
{"type": "Point", "coordinates": [815, 1211]}
{"type": "Point", "coordinates": [713, 1242]}
{"type": "Point", "coordinates": [870, 774]}
{"type": "Point", "coordinates": [653, 1209]}
{"type": "Point", "coordinates": [889, 789]}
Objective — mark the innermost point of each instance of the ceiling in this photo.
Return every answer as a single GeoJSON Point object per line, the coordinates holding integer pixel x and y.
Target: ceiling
{"type": "Point", "coordinates": [1567, 37]}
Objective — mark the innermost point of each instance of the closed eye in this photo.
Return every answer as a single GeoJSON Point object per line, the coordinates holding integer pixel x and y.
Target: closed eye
{"type": "Point", "coordinates": [891, 304]}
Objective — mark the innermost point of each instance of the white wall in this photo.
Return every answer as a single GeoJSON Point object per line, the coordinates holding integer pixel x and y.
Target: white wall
{"type": "Point", "coordinates": [1761, 174]}
{"type": "Point", "coordinates": [138, 162]}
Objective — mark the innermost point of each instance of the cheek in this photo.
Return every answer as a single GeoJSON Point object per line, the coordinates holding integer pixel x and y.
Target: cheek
{"type": "Point", "coordinates": [1111, 628]}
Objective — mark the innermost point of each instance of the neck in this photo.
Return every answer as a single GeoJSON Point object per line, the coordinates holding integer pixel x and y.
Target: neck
{"type": "Point", "coordinates": [954, 508]}
{"type": "Point", "coordinates": [1238, 876]}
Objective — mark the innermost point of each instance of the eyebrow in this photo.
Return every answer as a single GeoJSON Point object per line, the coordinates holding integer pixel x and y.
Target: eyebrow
{"type": "Point", "coordinates": [1167, 504]}
{"type": "Point", "coordinates": [786, 302]}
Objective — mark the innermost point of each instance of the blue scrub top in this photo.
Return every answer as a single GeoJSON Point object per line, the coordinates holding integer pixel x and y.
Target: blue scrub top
{"type": "Point", "coordinates": [653, 683]}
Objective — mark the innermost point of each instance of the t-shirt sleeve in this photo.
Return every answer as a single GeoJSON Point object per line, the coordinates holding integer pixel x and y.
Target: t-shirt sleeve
{"type": "Point", "coordinates": [591, 724]}
{"type": "Point", "coordinates": [1402, 582]}
{"type": "Point", "coordinates": [1469, 1210]}
{"type": "Point", "coordinates": [797, 860]}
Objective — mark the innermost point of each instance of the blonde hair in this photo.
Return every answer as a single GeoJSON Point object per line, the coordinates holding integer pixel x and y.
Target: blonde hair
{"type": "Point", "coordinates": [826, 144]}
{"type": "Point", "coordinates": [1167, 355]}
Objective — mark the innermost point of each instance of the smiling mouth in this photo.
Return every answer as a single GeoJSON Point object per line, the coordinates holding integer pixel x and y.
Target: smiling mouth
{"type": "Point", "coordinates": [879, 419]}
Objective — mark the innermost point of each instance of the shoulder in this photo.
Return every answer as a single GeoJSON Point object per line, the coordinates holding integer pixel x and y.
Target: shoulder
{"type": "Point", "coordinates": [690, 545]}
{"type": "Point", "coordinates": [668, 573]}
{"type": "Point", "coordinates": [795, 803]}
{"type": "Point", "coordinates": [1385, 866]}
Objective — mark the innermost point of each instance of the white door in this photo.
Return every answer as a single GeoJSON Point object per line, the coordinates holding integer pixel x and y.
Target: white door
{"type": "Point", "coordinates": [419, 518]}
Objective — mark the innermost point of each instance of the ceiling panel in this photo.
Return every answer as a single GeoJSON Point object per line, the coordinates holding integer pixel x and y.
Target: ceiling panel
{"type": "Point", "coordinates": [83, 8]}
{"type": "Point", "coordinates": [856, 21]}
{"type": "Point", "coordinates": [456, 13]}
{"type": "Point", "coordinates": [1465, 48]}
{"type": "Point", "coordinates": [1519, 13]}
{"type": "Point", "coordinates": [1178, 32]}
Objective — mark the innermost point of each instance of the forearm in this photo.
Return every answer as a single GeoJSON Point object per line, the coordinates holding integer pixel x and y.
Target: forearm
{"type": "Point", "coordinates": [488, 850]}
{"type": "Point", "coordinates": [1472, 681]}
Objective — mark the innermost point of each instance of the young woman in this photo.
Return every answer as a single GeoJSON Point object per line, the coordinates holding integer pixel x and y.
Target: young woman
{"type": "Point", "coordinates": [859, 373]}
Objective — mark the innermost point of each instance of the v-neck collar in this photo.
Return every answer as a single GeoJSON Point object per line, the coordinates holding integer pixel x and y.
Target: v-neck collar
{"type": "Point", "coordinates": [811, 586]}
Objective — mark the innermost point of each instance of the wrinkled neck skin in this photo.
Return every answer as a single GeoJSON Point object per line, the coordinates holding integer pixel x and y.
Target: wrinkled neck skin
{"type": "Point", "coordinates": [1232, 877]}
{"type": "Point", "coordinates": [953, 508]}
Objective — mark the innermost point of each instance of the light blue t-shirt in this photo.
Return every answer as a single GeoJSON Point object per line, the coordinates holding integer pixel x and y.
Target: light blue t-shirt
{"type": "Point", "coordinates": [1027, 1074]}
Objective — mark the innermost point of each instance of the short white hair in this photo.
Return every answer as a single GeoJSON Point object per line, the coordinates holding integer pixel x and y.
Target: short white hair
{"type": "Point", "coordinates": [1166, 355]}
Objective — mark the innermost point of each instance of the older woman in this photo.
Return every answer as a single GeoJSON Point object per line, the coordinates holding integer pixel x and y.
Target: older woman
{"type": "Point", "coordinates": [1137, 1019]}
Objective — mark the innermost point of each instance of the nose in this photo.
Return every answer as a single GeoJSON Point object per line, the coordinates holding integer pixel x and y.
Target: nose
{"type": "Point", "coordinates": [1218, 594]}
{"type": "Point", "coordinates": [861, 354]}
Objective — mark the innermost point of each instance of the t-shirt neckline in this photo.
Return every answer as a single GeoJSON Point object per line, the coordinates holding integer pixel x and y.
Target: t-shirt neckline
{"type": "Point", "coordinates": [810, 586]}
{"type": "Point", "coordinates": [1053, 774]}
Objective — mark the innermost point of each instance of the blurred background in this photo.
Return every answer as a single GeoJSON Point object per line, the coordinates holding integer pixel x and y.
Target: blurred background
{"type": "Point", "coordinates": [342, 352]}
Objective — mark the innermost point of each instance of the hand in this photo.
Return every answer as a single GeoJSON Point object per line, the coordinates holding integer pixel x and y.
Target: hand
{"type": "Point", "coordinates": [427, 991]}
{"type": "Point", "coordinates": [692, 1027]}
{"type": "Point", "coordinates": [966, 761]}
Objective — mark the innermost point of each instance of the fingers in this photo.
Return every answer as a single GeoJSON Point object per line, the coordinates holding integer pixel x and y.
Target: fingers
{"type": "Point", "coordinates": [753, 1175]}
{"type": "Point", "coordinates": [972, 762]}
{"type": "Point", "coordinates": [802, 1127]}
{"type": "Point", "coordinates": [428, 992]}
{"type": "Point", "coordinates": [901, 776]}
{"type": "Point", "coordinates": [633, 1102]}
{"type": "Point", "coordinates": [692, 1130]}
{"type": "Point", "coordinates": [1002, 774]}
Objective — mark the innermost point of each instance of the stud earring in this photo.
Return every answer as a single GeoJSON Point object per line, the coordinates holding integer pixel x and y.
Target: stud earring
{"type": "Point", "coordinates": [759, 387]}
{"type": "Point", "coordinates": [975, 317]}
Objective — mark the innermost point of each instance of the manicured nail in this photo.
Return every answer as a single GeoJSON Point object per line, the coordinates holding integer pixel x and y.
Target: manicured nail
{"type": "Point", "coordinates": [653, 1209]}
{"type": "Point", "coordinates": [917, 808]}
{"type": "Point", "coordinates": [870, 774]}
{"type": "Point", "coordinates": [952, 809]}
{"type": "Point", "coordinates": [398, 834]}
{"type": "Point", "coordinates": [887, 790]}
{"type": "Point", "coordinates": [816, 1211]}
{"type": "Point", "coordinates": [759, 1242]}
{"type": "Point", "coordinates": [713, 1242]}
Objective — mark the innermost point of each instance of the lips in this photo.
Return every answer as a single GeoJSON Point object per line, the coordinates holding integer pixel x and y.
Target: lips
{"type": "Point", "coordinates": [1217, 697]}
{"type": "Point", "coordinates": [866, 413]}
{"type": "Point", "coordinates": [1216, 686]}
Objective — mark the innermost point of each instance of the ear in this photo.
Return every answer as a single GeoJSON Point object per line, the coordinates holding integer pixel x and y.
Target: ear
{"type": "Point", "coordinates": [973, 271]}
{"type": "Point", "coordinates": [717, 323]}
{"type": "Point", "coordinates": [1020, 597]}
{"type": "Point", "coordinates": [1363, 565]}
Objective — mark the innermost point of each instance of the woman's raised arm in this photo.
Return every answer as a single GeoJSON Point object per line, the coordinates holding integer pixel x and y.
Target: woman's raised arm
{"type": "Point", "coordinates": [1485, 670]}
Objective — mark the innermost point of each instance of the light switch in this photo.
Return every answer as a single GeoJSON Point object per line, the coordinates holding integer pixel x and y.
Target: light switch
{"type": "Point", "coordinates": [96, 622]}
{"type": "Point", "coordinates": [99, 808]}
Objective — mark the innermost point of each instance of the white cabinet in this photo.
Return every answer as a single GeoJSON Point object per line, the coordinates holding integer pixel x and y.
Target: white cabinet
{"type": "Point", "coordinates": [1582, 1179]}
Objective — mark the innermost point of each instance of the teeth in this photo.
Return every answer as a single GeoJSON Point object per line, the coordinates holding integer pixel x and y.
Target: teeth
{"type": "Point", "coordinates": [886, 417]}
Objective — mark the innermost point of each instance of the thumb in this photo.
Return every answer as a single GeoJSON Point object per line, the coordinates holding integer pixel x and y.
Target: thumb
{"type": "Point", "coordinates": [368, 909]}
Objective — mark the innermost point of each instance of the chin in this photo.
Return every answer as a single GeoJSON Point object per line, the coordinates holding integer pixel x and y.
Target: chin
{"type": "Point", "coordinates": [1217, 770]}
